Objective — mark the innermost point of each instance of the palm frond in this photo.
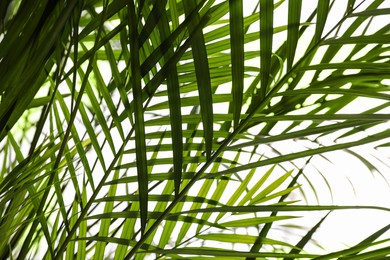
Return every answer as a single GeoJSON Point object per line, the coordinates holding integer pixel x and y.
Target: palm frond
{"type": "Point", "coordinates": [178, 129]}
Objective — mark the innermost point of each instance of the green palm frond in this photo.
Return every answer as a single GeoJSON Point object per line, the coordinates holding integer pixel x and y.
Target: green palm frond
{"type": "Point", "coordinates": [175, 129]}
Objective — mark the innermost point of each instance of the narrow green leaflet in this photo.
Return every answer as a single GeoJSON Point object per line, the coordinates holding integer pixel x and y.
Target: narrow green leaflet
{"type": "Point", "coordinates": [380, 39]}
{"type": "Point", "coordinates": [254, 221]}
{"type": "Point", "coordinates": [174, 101]}
{"type": "Point", "coordinates": [234, 238]}
{"type": "Point", "coordinates": [154, 215]}
{"type": "Point", "coordinates": [270, 208]}
{"type": "Point", "coordinates": [266, 36]}
{"type": "Point", "coordinates": [135, 81]}
{"type": "Point", "coordinates": [227, 253]}
{"type": "Point", "coordinates": [299, 246]}
{"type": "Point", "coordinates": [294, 15]}
{"type": "Point", "coordinates": [237, 56]}
{"type": "Point", "coordinates": [375, 12]}
{"type": "Point", "coordinates": [160, 198]}
{"type": "Point", "coordinates": [203, 77]}
{"type": "Point", "coordinates": [322, 13]}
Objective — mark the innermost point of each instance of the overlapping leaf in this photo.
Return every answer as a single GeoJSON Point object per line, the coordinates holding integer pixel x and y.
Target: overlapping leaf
{"type": "Point", "coordinates": [115, 120]}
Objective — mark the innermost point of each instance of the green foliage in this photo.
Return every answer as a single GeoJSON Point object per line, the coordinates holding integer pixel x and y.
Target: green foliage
{"type": "Point", "coordinates": [163, 128]}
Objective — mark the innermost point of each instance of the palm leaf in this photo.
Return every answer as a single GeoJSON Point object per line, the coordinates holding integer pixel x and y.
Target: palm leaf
{"type": "Point", "coordinates": [133, 129]}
